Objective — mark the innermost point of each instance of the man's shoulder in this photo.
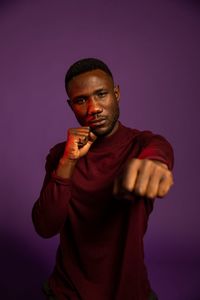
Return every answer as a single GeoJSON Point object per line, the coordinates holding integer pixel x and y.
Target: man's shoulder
{"type": "Point", "coordinates": [137, 133]}
{"type": "Point", "coordinates": [56, 151]}
{"type": "Point", "coordinates": [144, 137]}
{"type": "Point", "coordinates": [54, 155]}
{"type": "Point", "coordinates": [58, 147]}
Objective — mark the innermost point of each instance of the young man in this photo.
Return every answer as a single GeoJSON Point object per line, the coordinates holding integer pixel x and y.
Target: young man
{"type": "Point", "coordinates": [98, 193]}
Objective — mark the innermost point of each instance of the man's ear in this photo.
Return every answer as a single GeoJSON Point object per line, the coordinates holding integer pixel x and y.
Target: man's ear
{"type": "Point", "coordinates": [117, 92]}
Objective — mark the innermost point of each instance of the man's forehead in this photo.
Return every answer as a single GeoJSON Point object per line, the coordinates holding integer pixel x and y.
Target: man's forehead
{"type": "Point", "coordinates": [95, 79]}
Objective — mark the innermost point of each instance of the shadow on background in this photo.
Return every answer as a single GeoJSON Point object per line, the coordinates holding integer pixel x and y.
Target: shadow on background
{"type": "Point", "coordinates": [21, 271]}
{"type": "Point", "coordinates": [22, 274]}
{"type": "Point", "coordinates": [195, 4]}
{"type": "Point", "coordinates": [7, 3]}
{"type": "Point", "coordinates": [4, 3]}
{"type": "Point", "coordinates": [177, 281]}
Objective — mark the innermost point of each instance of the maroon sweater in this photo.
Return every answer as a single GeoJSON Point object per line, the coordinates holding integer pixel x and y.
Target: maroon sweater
{"type": "Point", "coordinates": [100, 256]}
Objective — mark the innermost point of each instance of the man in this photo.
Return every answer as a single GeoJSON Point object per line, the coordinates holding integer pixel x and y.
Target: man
{"type": "Point", "coordinates": [98, 193]}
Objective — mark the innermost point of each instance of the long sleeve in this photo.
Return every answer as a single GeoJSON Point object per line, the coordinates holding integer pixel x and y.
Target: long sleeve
{"type": "Point", "coordinates": [100, 254]}
{"type": "Point", "coordinates": [51, 209]}
{"type": "Point", "coordinates": [156, 147]}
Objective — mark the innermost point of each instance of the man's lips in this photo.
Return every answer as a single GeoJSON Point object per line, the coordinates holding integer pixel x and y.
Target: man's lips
{"type": "Point", "coordinates": [96, 122]}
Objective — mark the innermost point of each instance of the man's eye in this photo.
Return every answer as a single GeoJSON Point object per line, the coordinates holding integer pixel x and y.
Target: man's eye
{"type": "Point", "coordinates": [79, 101]}
{"type": "Point", "coordinates": [102, 94]}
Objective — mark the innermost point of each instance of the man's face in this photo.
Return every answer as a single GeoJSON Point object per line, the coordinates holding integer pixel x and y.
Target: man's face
{"type": "Point", "coordinates": [95, 101]}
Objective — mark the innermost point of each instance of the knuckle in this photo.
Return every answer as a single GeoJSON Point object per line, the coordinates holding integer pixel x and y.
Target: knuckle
{"type": "Point", "coordinates": [167, 176]}
{"type": "Point", "coordinates": [126, 185]}
{"type": "Point", "coordinates": [162, 193]}
{"type": "Point", "coordinates": [151, 194]}
{"type": "Point", "coordinates": [148, 162]}
{"type": "Point", "coordinates": [147, 165]}
{"type": "Point", "coordinates": [137, 162]}
{"type": "Point", "coordinates": [140, 191]}
{"type": "Point", "coordinates": [131, 164]}
{"type": "Point", "coordinates": [151, 191]}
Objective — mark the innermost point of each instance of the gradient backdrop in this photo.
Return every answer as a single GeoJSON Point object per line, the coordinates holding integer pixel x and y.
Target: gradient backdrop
{"type": "Point", "coordinates": [153, 49]}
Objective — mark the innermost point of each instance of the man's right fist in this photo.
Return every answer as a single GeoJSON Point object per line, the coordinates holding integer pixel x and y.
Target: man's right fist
{"type": "Point", "coordinates": [79, 141]}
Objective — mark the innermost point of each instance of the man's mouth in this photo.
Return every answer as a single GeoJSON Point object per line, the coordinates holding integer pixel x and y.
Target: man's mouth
{"type": "Point", "coordinates": [96, 122]}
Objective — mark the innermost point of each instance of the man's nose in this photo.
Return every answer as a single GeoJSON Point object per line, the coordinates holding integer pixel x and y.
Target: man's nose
{"type": "Point", "coordinates": [93, 106]}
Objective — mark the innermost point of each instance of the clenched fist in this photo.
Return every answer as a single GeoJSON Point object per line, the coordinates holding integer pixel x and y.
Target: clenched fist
{"type": "Point", "coordinates": [143, 177]}
{"type": "Point", "coordinates": [79, 141]}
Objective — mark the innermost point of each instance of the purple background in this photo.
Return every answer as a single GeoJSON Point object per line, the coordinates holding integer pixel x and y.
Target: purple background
{"type": "Point", "coordinates": [153, 49]}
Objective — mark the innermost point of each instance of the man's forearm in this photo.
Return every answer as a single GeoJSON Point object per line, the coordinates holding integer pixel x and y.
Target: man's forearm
{"type": "Point", "coordinates": [65, 168]}
{"type": "Point", "coordinates": [51, 209]}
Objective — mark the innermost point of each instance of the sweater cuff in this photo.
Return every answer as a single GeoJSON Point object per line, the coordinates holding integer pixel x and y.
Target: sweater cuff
{"type": "Point", "coordinates": [157, 154]}
{"type": "Point", "coordinates": [60, 180]}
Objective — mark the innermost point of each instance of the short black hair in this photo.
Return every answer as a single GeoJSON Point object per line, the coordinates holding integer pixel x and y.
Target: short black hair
{"type": "Point", "coordinates": [85, 65]}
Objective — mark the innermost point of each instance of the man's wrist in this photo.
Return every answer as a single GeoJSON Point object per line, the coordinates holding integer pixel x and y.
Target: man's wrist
{"type": "Point", "coordinates": [67, 161]}
{"type": "Point", "coordinates": [66, 167]}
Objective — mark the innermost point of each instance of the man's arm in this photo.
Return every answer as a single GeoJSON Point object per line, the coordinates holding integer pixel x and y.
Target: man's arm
{"type": "Point", "coordinates": [51, 209]}
{"type": "Point", "coordinates": [150, 174]}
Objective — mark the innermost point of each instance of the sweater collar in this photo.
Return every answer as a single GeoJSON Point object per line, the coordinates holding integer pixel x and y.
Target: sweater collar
{"type": "Point", "coordinates": [103, 143]}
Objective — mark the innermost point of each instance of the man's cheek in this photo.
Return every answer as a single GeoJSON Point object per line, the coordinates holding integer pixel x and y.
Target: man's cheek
{"type": "Point", "coordinates": [81, 119]}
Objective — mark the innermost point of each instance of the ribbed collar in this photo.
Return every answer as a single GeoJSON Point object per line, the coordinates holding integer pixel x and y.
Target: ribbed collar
{"type": "Point", "coordinates": [118, 137]}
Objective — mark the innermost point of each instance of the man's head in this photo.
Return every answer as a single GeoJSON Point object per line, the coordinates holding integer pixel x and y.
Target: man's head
{"type": "Point", "coordinates": [92, 95]}
{"type": "Point", "coordinates": [85, 65]}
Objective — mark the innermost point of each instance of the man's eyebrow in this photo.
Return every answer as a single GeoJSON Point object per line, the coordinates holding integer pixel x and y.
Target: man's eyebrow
{"type": "Point", "coordinates": [80, 96]}
{"type": "Point", "coordinates": [100, 90]}
{"type": "Point", "coordinates": [85, 96]}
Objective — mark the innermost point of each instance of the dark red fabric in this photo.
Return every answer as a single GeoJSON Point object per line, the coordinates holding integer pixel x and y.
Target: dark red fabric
{"type": "Point", "coordinates": [100, 255]}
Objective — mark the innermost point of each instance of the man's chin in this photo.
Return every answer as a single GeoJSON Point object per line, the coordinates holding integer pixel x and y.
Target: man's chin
{"type": "Point", "coordinates": [102, 131]}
